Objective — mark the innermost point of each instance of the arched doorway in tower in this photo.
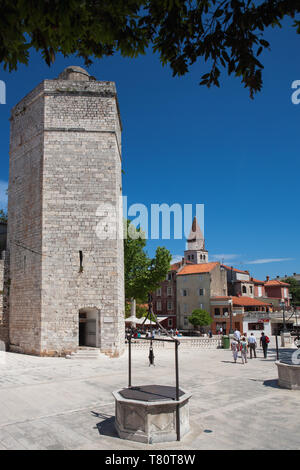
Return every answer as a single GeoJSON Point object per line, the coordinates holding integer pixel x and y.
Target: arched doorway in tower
{"type": "Point", "coordinates": [89, 327]}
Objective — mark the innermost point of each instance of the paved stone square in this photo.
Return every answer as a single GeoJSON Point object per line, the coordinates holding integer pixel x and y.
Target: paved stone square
{"type": "Point", "coordinates": [55, 403]}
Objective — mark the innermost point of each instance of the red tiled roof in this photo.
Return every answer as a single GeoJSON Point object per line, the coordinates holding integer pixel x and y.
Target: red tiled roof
{"type": "Point", "coordinates": [256, 281]}
{"type": "Point", "coordinates": [276, 283]}
{"type": "Point", "coordinates": [176, 266]}
{"type": "Point", "coordinates": [234, 269]}
{"type": "Point", "coordinates": [248, 301]}
{"type": "Point", "coordinates": [197, 268]}
{"type": "Point", "coordinates": [242, 301]}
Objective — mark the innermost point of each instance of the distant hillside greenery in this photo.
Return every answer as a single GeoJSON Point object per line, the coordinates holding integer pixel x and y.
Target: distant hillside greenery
{"type": "Point", "coordinates": [294, 290]}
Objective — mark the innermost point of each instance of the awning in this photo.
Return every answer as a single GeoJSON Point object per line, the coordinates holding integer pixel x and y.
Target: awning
{"type": "Point", "coordinates": [140, 321]}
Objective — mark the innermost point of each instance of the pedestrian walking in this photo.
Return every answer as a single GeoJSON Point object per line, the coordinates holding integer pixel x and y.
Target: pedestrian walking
{"type": "Point", "coordinates": [244, 349]}
{"type": "Point", "coordinates": [252, 345]}
{"type": "Point", "coordinates": [234, 349]}
{"type": "Point", "coordinates": [264, 342]}
{"type": "Point", "coordinates": [221, 330]}
{"type": "Point", "coordinates": [237, 335]}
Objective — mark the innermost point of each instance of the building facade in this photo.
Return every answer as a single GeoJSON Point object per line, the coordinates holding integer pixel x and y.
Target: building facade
{"type": "Point", "coordinates": [65, 253]}
{"type": "Point", "coordinates": [277, 290]}
{"type": "Point", "coordinates": [196, 284]}
{"type": "Point", "coordinates": [239, 282]}
{"type": "Point", "coordinates": [164, 298]}
{"type": "Point", "coordinates": [244, 314]}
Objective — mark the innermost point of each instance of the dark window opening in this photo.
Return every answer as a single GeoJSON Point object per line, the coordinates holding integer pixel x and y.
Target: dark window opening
{"type": "Point", "coordinates": [80, 261]}
{"type": "Point", "coordinates": [255, 326]}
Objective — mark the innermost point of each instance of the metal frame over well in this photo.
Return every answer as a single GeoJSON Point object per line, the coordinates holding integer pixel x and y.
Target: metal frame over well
{"type": "Point", "coordinates": [170, 339]}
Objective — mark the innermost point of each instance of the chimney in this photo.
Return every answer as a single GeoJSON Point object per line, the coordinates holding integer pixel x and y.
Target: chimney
{"type": "Point", "coordinates": [268, 278]}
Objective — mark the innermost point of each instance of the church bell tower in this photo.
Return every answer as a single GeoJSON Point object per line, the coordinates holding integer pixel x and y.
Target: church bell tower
{"type": "Point", "coordinates": [196, 252]}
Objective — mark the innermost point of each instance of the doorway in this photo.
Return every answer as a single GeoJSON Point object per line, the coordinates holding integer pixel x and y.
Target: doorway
{"type": "Point", "coordinates": [82, 333]}
{"type": "Point", "coordinates": [88, 327]}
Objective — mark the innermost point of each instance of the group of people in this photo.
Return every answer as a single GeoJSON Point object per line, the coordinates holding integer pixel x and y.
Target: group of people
{"type": "Point", "coordinates": [243, 344]}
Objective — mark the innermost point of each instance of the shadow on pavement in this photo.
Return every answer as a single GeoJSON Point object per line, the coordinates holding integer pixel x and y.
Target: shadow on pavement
{"type": "Point", "coordinates": [106, 427]}
{"type": "Point", "coordinates": [271, 383]}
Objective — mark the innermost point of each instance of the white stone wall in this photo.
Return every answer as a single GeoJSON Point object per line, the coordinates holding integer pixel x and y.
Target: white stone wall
{"type": "Point", "coordinates": [71, 163]}
{"type": "Point", "coordinates": [24, 243]}
{"type": "Point", "coordinates": [1, 289]}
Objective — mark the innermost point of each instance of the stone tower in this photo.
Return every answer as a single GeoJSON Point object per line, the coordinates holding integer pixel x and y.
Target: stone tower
{"type": "Point", "coordinates": [196, 252]}
{"type": "Point", "coordinates": [65, 218]}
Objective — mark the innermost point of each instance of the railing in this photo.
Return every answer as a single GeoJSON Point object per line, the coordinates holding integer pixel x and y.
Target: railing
{"type": "Point", "coordinates": [185, 343]}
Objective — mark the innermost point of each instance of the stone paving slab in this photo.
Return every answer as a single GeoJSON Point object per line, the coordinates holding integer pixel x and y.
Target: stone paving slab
{"type": "Point", "coordinates": [54, 403]}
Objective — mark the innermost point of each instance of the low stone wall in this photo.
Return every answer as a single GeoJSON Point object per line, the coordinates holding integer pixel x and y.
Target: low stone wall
{"type": "Point", "coordinates": [185, 343]}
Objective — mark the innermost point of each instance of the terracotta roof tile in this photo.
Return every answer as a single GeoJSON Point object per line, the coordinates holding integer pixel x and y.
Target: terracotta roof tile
{"type": "Point", "coordinates": [234, 269]}
{"type": "Point", "coordinates": [242, 301]}
{"type": "Point", "coordinates": [276, 283]}
{"type": "Point", "coordinates": [197, 268]}
{"type": "Point", "coordinates": [257, 281]}
{"type": "Point", "coordinates": [176, 266]}
{"type": "Point", "coordinates": [248, 301]}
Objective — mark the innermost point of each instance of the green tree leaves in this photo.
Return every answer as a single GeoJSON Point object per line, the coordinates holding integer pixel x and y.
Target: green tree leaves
{"type": "Point", "coordinates": [227, 34]}
{"type": "Point", "coordinates": [200, 318]}
{"type": "Point", "coordinates": [3, 216]}
{"type": "Point", "coordinates": [294, 290]}
{"type": "Point", "coordinates": [143, 274]}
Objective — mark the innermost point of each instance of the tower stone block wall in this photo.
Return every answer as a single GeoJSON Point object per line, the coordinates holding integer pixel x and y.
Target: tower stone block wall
{"type": "Point", "coordinates": [65, 216]}
{"type": "Point", "coordinates": [1, 289]}
{"type": "Point", "coordinates": [4, 300]}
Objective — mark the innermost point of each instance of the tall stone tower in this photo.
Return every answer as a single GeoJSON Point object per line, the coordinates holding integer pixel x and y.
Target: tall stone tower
{"type": "Point", "coordinates": [196, 252]}
{"type": "Point", "coordinates": [65, 218]}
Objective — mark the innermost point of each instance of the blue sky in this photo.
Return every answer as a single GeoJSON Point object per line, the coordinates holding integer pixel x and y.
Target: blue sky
{"type": "Point", "coordinates": [187, 144]}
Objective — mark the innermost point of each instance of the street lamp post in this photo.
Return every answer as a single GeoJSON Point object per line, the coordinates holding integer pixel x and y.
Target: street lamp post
{"type": "Point", "coordinates": [282, 305]}
{"type": "Point", "coordinates": [230, 327]}
{"type": "Point", "coordinates": [285, 335]}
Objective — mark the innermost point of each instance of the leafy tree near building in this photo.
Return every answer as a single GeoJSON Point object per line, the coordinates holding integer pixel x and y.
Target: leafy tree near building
{"type": "Point", "coordinates": [141, 310]}
{"type": "Point", "coordinates": [142, 274]}
{"type": "Point", "coordinates": [226, 34]}
{"type": "Point", "coordinates": [200, 318]}
{"type": "Point", "coordinates": [3, 216]}
{"type": "Point", "coordinates": [294, 290]}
